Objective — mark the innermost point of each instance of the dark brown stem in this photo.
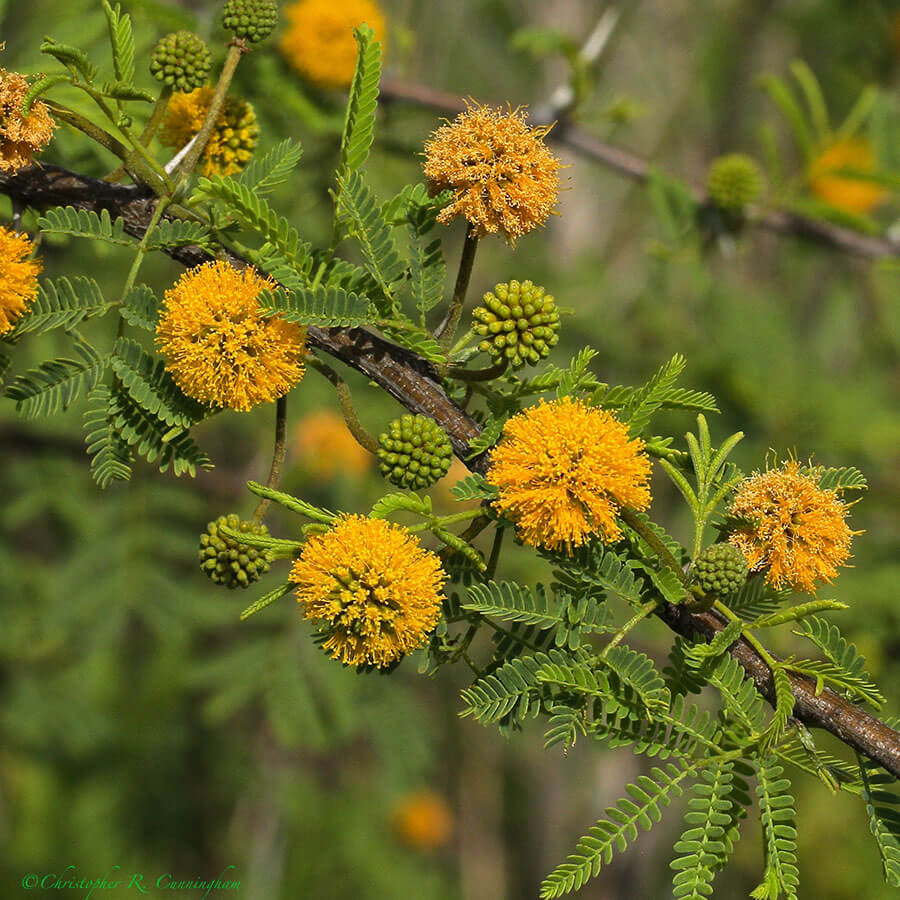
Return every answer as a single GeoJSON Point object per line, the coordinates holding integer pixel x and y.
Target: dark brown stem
{"type": "Point", "coordinates": [278, 452]}
{"type": "Point", "coordinates": [415, 384]}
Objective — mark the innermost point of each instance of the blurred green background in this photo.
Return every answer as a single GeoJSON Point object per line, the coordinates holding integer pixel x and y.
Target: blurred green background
{"type": "Point", "coordinates": [142, 726]}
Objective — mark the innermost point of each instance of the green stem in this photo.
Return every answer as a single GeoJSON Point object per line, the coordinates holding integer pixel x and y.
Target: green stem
{"type": "Point", "coordinates": [94, 132]}
{"type": "Point", "coordinates": [162, 104]}
{"type": "Point", "coordinates": [631, 518]}
{"type": "Point", "coordinates": [354, 426]}
{"type": "Point", "coordinates": [747, 635]}
{"type": "Point", "coordinates": [489, 374]}
{"type": "Point", "coordinates": [446, 331]}
{"type": "Point", "coordinates": [235, 50]}
{"type": "Point", "coordinates": [646, 610]}
{"type": "Point", "coordinates": [277, 456]}
{"type": "Point", "coordinates": [495, 553]}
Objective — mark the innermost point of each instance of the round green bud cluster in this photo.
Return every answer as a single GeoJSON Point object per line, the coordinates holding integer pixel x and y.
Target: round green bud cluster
{"type": "Point", "coordinates": [415, 452]}
{"type": "Point", "coordinates": [250, 19]}
{"type": "Point", "coordinates": [229, 562]}
{"type": "Point", "coordinates": [720, 570]}
{"type": "Point", "coordinates": [518, 322]}
{"type": "Point", "coordinates": [734, 181]}
{"type": "Point", "coordinates": [181, 60]}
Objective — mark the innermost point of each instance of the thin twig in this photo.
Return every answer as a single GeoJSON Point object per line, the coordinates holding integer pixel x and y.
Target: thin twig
{"type": "Point", "coordinates": [278, 452]}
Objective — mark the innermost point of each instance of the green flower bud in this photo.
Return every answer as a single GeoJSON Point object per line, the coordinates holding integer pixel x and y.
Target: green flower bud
{"type": "Point", "coordinates": [414, 452]}
{"type": "Point", "coordinates": [734, 181]}
{"type": "Point", "coordinates": [517, 322]}
{"type": "Point", "coordinates": [252, 20]}
{"type": "Point", "coordinates": [228, 562]}
{"type": "Point", "coordinates": [182, 61]}
{"type": "Point", "coordinates": [720, 570]}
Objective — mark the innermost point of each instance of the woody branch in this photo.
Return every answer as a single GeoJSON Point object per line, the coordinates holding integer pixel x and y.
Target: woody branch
{"type": "Point", "coordinates": [414, 383]}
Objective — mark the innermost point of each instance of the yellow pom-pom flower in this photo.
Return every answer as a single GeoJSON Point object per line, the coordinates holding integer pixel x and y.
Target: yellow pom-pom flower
{"type": "Point", "coordinates": [844, 191]}
{"type": "Point", "coordinates": [232, 140]}
{"type": "Point", "coordinates": [423, 821]}
{"type": "Point", "coordinates": [319, 42]}
{"type": "Point", "coordinates": [217, 344]}
{"type": "Point", "coordinates": [20, 136]}
{"type": "Point", "coordinates": [799, 533]}
{"type": "Point", "coordinates": [371, 587]}
{"type": "Point", "coordinates": [327, 449]}
{"type": "Point", "coordinates": [564, 469]}
{"type": "Point", "coordinates": [18, 277]}
{"type": "Point", "coordinates": [503, 177]}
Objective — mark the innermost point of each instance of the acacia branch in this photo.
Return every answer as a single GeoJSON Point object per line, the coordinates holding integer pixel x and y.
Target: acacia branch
{"type": "Point", "coordinates": [413, 382]}
{"type": "Point", "coordinates": [629, 165]}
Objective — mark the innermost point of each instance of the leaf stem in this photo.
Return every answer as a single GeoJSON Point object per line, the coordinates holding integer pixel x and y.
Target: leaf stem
{"type": "Point", "coordinates": [235, 50]}
{"type": "Point", "coordinates": [277, 456]}
{"type": "Point", "coordinates": [646, 610]}
{"type": "Point", "coordinates": [446, 331]}
{"type": "Point", "coordinates": [631, 518]}
{"type": "Point", "coordinates": [354, 426]}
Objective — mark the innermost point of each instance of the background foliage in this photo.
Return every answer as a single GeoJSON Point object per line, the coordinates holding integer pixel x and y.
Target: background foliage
{"type": "Point", "coordinates": [141, 725]}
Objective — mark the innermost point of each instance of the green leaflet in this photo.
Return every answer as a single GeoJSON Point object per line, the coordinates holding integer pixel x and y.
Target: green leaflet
{"type": "Point", "coordinates": [121, 38]}
{"type": "Point", "coordinates": [85, 223]}
{"type": "Point", "coordinates": [62, 303]}
{"type": "Point", "coordinates": [776, 807]}
{"type": "Point", "coordinates": [883, 808]}
{"type": "Point", "coordinates": [150, 437]}
{"type": "Point", "coordinates": [359, 124]}
{"type": "Point", "coordinates": [177, 233]}
{"type": "Point", "coordinates": [323, 306]}
{"type": "Point", "coordinates": [703, 847]}
{"type": "Point", "coordinates": [620, 827]}
{"type": "Point", "coordinates": [57, 383]}
{"type": "Point", "coordinates": [357, 204]}
{"type": "Point", "coordinates": [256, 213]}
{"type": "Point", "coordinates": [151, 387]}
{"type": "Point", "coordinates": [110, 456]}
{"type": "Point", "coordinates": [266, 173]}
{"type": "Point", "coordinates": [849, 671]}
{"type": "Point", "coordinates": [141, 308]}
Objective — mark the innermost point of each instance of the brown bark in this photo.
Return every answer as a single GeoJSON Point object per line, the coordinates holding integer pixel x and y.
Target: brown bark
{"type": "Point", "coordinates": [415, 384]}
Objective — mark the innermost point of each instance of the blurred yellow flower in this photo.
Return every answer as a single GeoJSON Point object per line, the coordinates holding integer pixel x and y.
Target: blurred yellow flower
{"type": "Point", "coordinates": [18, 277]}
{"type": "Point", "coordinates": [232, 140]}
{"type": "Point", "coordinates": [20, 136]}
{"type": "Point", "coordinates": [503, 177]}
{"type": "Point", "coordinates": [563, 469]}
{"type": "Point", "coordinates": [423, 820]}
{"type": "Point", "coordinates": [326, 448]}
{"type": "Point", "coordinates": [218, 346]}
{"type": "Point", "coordinates": [371, 587]}
{"type": "Point", "coordinates": [844, 191]}
{"type": "Point", "coordinates": [319, 42]}
{"type": "Point", "coordinates": [800, 534]}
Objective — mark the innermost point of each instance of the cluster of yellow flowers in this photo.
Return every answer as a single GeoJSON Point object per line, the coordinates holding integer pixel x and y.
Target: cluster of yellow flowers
{"type": "Point", "coordinates": [219, 347]}
{"type": "Point", "coordinates": [371, 587]}
{"type": "Point", "coordinates": [231, 142]}
{"type": "Point", "coordinates": [834, 174]}
{"type": "Point", "coordinates": [18, 277]}
{"type": "Point", "coordinates": [319, 42]}
{"type": "Point", "coordinates": [20, 136]}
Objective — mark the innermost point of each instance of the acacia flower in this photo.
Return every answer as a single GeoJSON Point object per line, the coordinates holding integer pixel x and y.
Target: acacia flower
{"type": "Point", "coordinates": [327, 449]}
{"type": "Point", "coordinates": [18, 277]}
{"type": "Point", "coordinates": [844, 190]}
{"type": "Point", "coordinates": [217, 344]}
{"type": "Point", "coordinates": [563, 469]}
{"type": "Point", "coordinates": [319, 42]}
{"type": "Point", "coordinates": [799, 532]}
{"type": "Point", "coordinates": [20, 136]}
{"type": "Point", "coordinates": [232, 140]}
{"type": "Point", "coordinates": [423, 820]}
{"type": "Point", "coordinates": [503, 176]}
{"type": "Point", "coordinates": [372, 587]}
